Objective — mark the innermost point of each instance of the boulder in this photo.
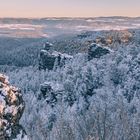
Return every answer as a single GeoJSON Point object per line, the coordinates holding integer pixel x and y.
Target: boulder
{"type": "Point", "coordinates": [11, 110]}
{"type": "Point", "coordinates": [96, 51]}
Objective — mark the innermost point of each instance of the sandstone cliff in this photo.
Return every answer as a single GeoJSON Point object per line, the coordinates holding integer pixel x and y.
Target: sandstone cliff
{"type": "Point", "coordinates": [11, 110]}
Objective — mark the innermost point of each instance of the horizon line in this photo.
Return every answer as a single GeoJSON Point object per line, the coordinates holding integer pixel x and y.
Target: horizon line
{"type": "Point", "coordinates": [24, 17]}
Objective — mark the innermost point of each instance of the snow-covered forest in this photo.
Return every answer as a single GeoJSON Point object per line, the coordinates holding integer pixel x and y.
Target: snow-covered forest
{"type": "Point", "coordinates": [84, 99]}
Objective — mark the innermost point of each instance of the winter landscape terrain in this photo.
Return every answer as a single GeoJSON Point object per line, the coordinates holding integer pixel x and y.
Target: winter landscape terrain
{"type": "Point", "coordinates": [79, 78]}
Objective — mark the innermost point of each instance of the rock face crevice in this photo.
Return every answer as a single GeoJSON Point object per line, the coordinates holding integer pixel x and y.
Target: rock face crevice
{"type": "Point", "coordinates": [11, 110]}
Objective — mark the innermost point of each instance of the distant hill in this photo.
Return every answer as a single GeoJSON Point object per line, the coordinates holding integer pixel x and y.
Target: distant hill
{"type": "Point", "coordinates": [48, 27]}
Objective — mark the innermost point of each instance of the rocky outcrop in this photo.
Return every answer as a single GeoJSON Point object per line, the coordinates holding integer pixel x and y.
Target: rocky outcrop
{"type": "Point", "coordinates": [11, 110]}
{"type": "Point", "coordinates": [96, 51]}
{"type": "Point", "coordinates": [51, 92]}
{"type": "Point", "coordinates": [110, 38]}
{"type": "Point", "coordinates": [49, 58]}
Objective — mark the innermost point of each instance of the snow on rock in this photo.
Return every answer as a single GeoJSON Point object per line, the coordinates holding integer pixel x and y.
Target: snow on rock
{"type": "Point", "coordinates": [96, 51]}
{"type": "Point", "coordinates": [49, 58]}
{"type": "Point", "coordinates": [50, 91]}
{"type": "Point", "coordinates": [11, 110]}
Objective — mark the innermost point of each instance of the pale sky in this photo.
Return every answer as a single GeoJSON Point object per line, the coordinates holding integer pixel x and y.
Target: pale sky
{"type": "Point", "coordinates": [69, 8]}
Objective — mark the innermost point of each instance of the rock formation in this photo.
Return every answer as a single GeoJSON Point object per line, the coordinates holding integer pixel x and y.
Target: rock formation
{"type": "Point", "coordinates": [96, 51]}
{"type": "Point", "coordinates": [110, 38]}
{"type": "Point", "coordinates": [49, 58]}
{"type": "Point", "coordinates": [50, 92]}
{"type": "Point", "coordinates": [11, 110]}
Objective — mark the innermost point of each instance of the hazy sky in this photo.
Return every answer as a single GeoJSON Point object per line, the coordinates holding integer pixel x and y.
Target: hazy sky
{"type": "Point", "coordinates": [69, 8]}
